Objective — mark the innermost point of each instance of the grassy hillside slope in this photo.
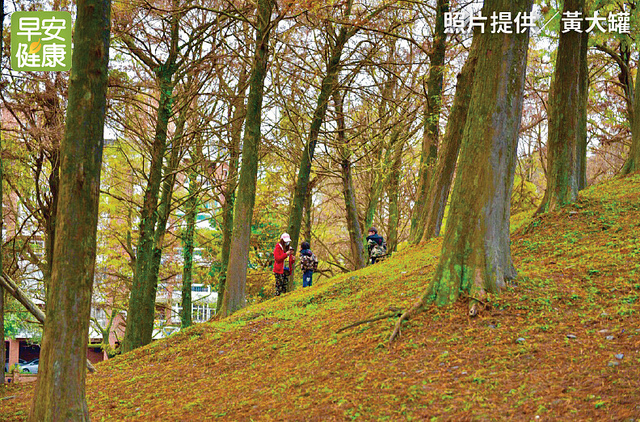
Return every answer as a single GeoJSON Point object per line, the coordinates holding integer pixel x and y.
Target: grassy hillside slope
{"type": "Point", "coordinates": [561, 343]}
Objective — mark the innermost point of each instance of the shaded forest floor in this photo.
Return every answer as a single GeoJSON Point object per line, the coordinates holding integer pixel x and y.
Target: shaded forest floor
{"type": "Point", "coordinates": [561, 343]}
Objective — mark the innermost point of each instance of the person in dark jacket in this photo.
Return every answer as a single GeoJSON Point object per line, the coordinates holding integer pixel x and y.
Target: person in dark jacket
{"type": "Point", "coordinates": [308, 264]}
{"type": "Point", "coordinates": [376, 245]}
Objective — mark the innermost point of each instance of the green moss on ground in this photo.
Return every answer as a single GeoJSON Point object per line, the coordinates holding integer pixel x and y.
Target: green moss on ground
{"type": "Point", "coordinates": [561, 343]}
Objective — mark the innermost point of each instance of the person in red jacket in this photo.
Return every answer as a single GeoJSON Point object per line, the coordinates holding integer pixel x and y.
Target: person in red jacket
{"type": "Point", "coordinates": [281, 252]}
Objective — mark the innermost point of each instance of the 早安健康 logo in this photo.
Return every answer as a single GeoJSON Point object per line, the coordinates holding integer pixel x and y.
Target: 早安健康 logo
{"type": "Point", "coordinates": [41, 41]}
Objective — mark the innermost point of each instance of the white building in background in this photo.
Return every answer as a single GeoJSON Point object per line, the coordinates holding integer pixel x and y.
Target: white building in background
{"type": "Point", "coordinates": [203, 307]}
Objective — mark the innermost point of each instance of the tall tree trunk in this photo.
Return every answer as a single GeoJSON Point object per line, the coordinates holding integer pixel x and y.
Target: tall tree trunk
{"type": "Point", "coordinates": [581, 162]}
{"type": "Point", "coordinates": [237, 121]}
{"type": "Point", "coordinates": [374, 194]}
{"type": "Point", "coordinates": [60, 389]}
{"type": "Point", "coordinates": [233, 298]}
{"type": "Point", "coordinates": [50, 220]}
{"type": "Point", "coordinates": [164, 208]}
{"type": "Point", "coordinates": [564, 117]}
{"type": "Point", "coordinates": [187, 250]}
{"type": "Point", "coordinates": [378, 173]}
{"type": "Point", "coordinates": [2, 348]}
{"type": "Point", "coordinates": [141, 311]}
{"type": "Point", "coordinates": [431, 120]}
{"type": "Point", "coordinates": [392, 190]}
{"type": "Point", "coordinates": [380, 180]}
{"type": "Point", "coordinates": [443, 177]}
{"type": "Point", "coordinates": [308, 203]}
{"type": "Point", "coordinates": [633, 161]}
{"type": "Point", "coordinates": [351, 209]}
{"type": "Point", "coordinates": [142, 301]}
{"type": "Point", "coordinates": [625, 78]}
{"type": "Point", "coordinates": [476, 255]}
{"type": "Point", "coordinates": [52, 110]}
{"type": "Point", "coordinates": [385, 170]}
{"type": "Point", "coordinates": [329, 83]}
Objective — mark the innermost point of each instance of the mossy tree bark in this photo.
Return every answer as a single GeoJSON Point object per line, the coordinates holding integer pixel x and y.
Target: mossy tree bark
{"type": "Point", "coordinates": [382, 153]}
{"type": "Point", "coordinates": [329, 83]}
{"type": "Point", "coordinates": [581, 165]}
{"type": "Point", "coordinates": [237, 121]}
{"type": "Point", "coordinates": [234, 297]}
{"type": "Point", "coordinates": [377, 187]}
{"type": "Point", "coordinates": [348, 191]}
{"type": "Point", "coordinates": [164, 207]}
{"type": "Point", "coordinates": [2, 346]}
{"type": "Point", "coordinates": [393, 188]}
{"type": "Point", "coordinates": [633, 161]}
{"type": "Point", "coordinates": [622, 58]}
{"type": "Point", "coordinates": [60, 389]}
{"type": "Point", "coordinates": [50, 213]}
{"type": "Point", "coordinates": [476, 255]}
{"type": "Point", "coordinates": [381, 176]}
{"type": "Point", "coordinates": [191, 206]}
{"type": "Point", "coordinates": [625, 76]}
{"type": "Point", "coordinates": [431, 120]}
{"type": "Point", "coordinates": [564, 118]}
{"type": "Point", "coordinates": [443, 176]}
{"type": "Point", "coordinates": [308, 215]}
{"type": "Point", "coordinates": [141, 311]}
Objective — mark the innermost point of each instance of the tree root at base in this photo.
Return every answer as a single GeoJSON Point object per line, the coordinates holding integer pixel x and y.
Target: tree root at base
{"type": "Point", "coordinates": [415, 308]}
{"type": "Point", "coordinates": [474, 306]}
{"type": "Point", "coordinates": [395, 312]}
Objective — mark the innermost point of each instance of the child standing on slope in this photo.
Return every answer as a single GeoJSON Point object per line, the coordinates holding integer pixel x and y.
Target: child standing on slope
{"type": "Point", "coordinates": [308, 264]}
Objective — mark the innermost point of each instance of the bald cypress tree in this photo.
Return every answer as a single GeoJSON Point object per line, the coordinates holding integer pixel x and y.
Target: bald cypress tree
{"type": "Point", "coordinates": [476, 256]}
{"type": "Point", "coordinates": [563, 162]}
{"type": "Point", "coordinates": [443, 176]}
{"type": "Point", "coordinates": [431, 124]}
{"type": "Point", "coordinates": [581, 164]}
{"type": "Point", "coordinates": [236, 277]}
{"type": "Point", "coordinates": [60, 389]}
{"type": "Point", "coordinates": [348, 191]}
{"type": "Point", "coordinates": [142, 301]}
{"type": "Point", "coordinates": [2, 348]}
{"type": "Point", "coordinates": [633, 161]}
{"type": "Point", "coordinates": [328, 85]}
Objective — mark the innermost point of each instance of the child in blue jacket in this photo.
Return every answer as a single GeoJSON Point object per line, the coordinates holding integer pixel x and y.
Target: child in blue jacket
{"type": "Point", "coordinates": [308, 264]}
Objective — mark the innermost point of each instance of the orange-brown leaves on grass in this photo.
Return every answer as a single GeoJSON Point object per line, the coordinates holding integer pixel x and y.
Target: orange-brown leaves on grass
{"type": "Point", "coordinates": [561, 342]}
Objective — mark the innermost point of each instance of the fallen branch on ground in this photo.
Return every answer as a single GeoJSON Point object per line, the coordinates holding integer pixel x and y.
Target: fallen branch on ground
{"type": "Point", "coordinates": [394, 313]}
{"type": "Point", "coordinates": [418, 306]}
{"type": "Point", "coordinates": [403, 317]}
